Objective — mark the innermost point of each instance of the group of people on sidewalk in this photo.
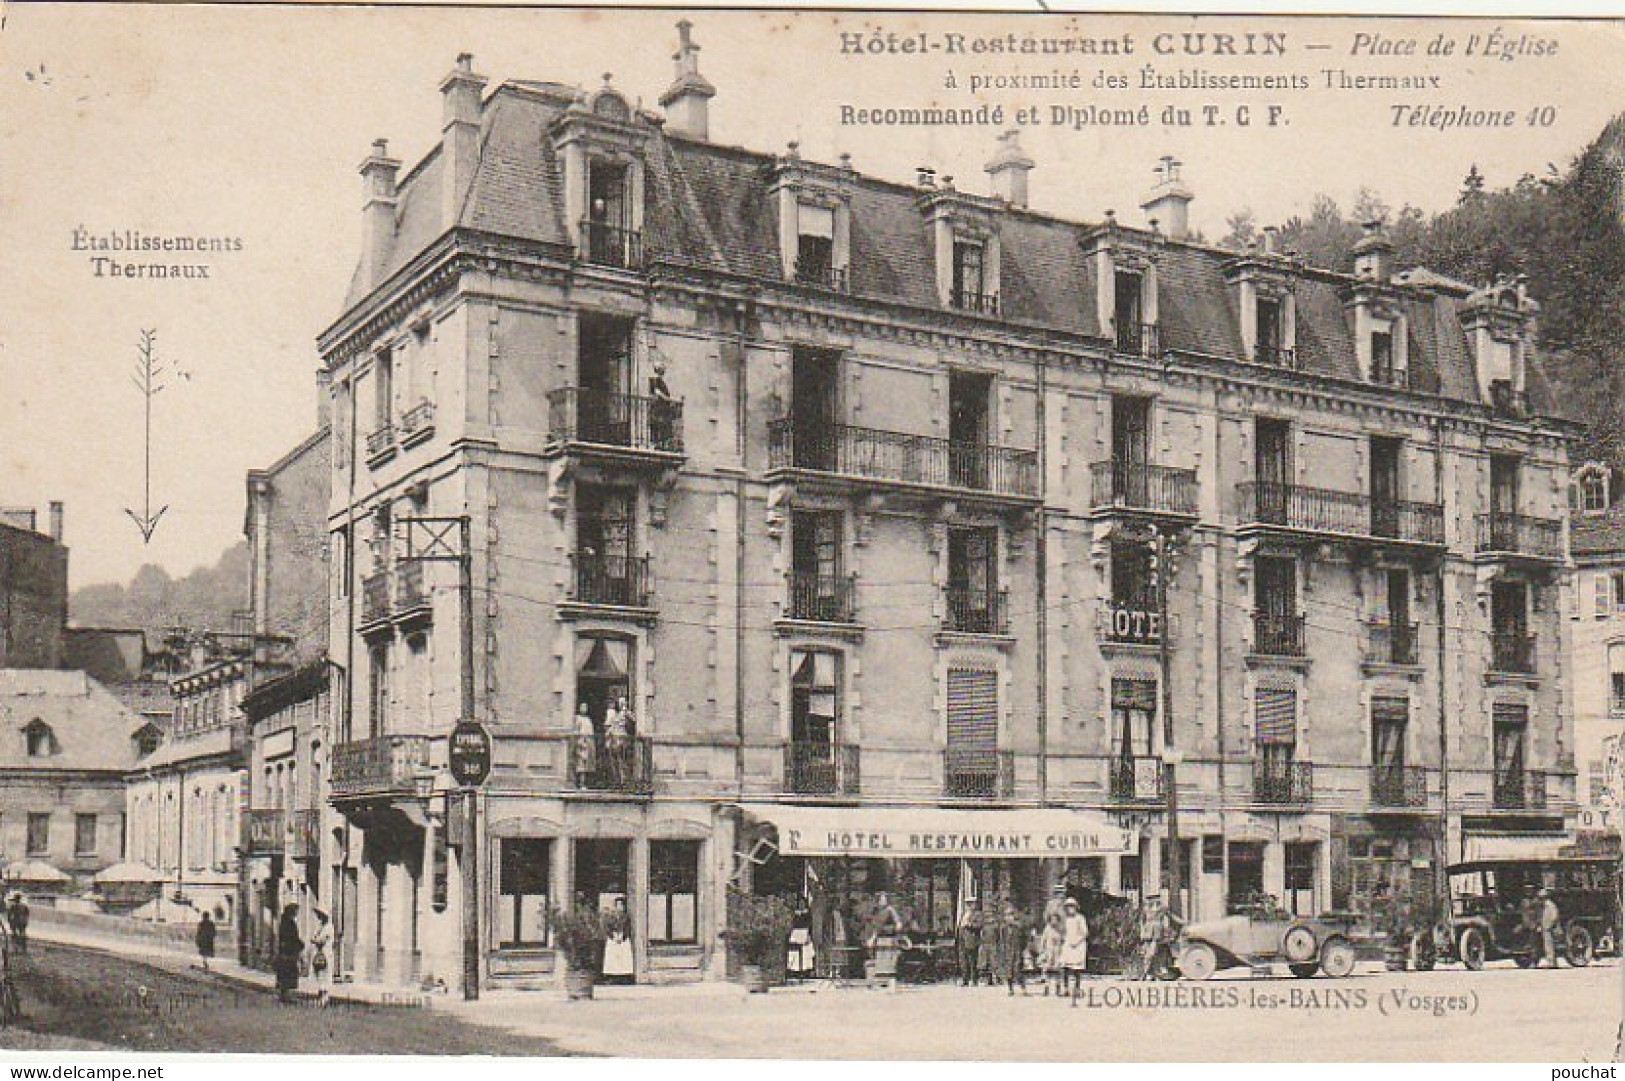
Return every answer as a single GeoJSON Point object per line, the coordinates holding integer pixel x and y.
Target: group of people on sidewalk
{"type": "Point", "coordinates": [292, 955]}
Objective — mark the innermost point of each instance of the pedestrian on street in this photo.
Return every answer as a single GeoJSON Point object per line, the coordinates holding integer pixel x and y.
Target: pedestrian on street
{"type": "Point", "coordinates": [321, 942]}
{"type": "Point", "coordinates": [205, 940]}
{"type": "Point", "coordinates": [1049, 940]}
{"type": "Point", "coordinates": [1074, 957]}
{"type": "Point", "coordinates": [290, 947]}
{"type": "Point", "coordinates": [17, 917]}
{"type": "Point", "coordinates": [968, 940]}
{"type": "Point", "coordinates": [1549, 920]}
{"type": "Point", "coordinates": [1009, 950]}
{"type": "Point", "coordinates": [618, 960]}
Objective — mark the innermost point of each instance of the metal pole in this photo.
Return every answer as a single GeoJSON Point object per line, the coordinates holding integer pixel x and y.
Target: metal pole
{"type": "Point", "coordinates": [470, 839]}
{"type": "Point", "coordinates": [1176, 873]}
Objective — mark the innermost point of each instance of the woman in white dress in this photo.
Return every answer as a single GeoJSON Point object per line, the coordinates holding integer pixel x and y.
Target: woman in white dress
{"type": "Point", "coordinates": [1074, 956]}
{"type": "Point", "coordinates": [618, 943]}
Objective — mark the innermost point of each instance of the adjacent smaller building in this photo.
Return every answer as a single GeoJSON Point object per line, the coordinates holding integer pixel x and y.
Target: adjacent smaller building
{"type": "Point", "coordinates": [1597, 545]}
{"type": "Point", "coordinates": [33, 589]}
{"type": "Point", "coordinates": [66, 745]}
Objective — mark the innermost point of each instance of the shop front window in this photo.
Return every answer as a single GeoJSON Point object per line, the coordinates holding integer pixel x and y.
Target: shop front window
{"type": "Point", "coordinates": [1246, 884]}
{"type": "Point", "coordinates": [674, 891]}
{"type": "Point", "coordinates": [1300, 878]}
{"type": "Point", "coordinates": [524, 864]}
{"type": "Point", "coordinates": [601, 872]}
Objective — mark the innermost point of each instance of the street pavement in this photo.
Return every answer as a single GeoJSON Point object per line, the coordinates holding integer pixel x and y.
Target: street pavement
{"type": "Point", "coordinates": [78, 997]}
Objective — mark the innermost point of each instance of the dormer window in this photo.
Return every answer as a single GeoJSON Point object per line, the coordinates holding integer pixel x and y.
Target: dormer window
{"type": "Point", "coordinates": [600, 142]}
{"type": "Point", "coordinates": [607, 235]}
{"type": "Point", "coordinates": [39, 739]}
{"type": "Point", "coordinates": [971, 290]}
{"type": "Point", "coordinates": [816, 263]}
{"type": "Point", "coordinates": [1593, 489]}
{"type": "Point", "coordinates": [1267, 349]}
{"type": "Point", "coordinates": [1133, 330]}
{"type": "Point", "coordinates": [146, 740]}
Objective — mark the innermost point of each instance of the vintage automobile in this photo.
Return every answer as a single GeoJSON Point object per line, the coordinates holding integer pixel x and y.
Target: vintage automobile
{"type": "Point", "coordinates": [1266, 935]}
{"type": "Point", "coordinates": [1488, 899]}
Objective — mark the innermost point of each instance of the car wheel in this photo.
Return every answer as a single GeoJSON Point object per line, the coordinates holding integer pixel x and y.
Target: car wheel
{"type": "Point", "coordinates": [1198, 961]}
{"type": "Point", "coordinates": [1305, 970]}
{"type": "Point", "coordinates": [1298, 944]}
{"type": "Point", "coordinates": [1337, 957]}
{"type": "Point", "coordinates": [1580, 948]}
{"type": "Point", "coordinates": [1472, 947]}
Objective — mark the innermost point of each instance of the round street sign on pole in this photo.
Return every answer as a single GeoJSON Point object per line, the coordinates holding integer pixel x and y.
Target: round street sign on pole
{"type": "Point", "coordinates": [469, 756]}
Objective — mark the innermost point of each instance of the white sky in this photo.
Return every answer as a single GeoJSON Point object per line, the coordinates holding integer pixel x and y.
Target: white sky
{"type": "Point", "coordinates": [251, 122]}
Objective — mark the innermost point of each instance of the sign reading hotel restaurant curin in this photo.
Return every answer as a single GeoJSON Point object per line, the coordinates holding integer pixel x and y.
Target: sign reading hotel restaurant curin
{"type": "Point", "coordinates": [942, 832]}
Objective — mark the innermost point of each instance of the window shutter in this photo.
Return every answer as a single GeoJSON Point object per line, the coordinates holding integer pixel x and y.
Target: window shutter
{"type": "Point", "coordinates": [973, 715]}
{"type": "Point", "coordinates": [1276, 715]}
{"type": "Point", "coordinates": [1601, 586]}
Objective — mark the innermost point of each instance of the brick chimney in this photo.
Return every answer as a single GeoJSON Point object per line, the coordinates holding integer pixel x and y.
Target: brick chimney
{"type": "Point", "coordinates": [1169, 200]}
{"type": "Point", "coordinates": [56, 520]}
{"type": "Point", "coordinates": [378, 215]}
{"type": "Point", "coordinates": [688, 100]}
{"type": "Point", "coordinates": [1008, 169]}
{"type": "Point", "coordinates": [460, 139]}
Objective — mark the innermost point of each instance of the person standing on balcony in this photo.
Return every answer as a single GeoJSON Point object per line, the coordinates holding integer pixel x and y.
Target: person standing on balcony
{"type": "Point", "coordinates": [584, 749]}
{"type": "Point", "coordinates": [618, 742]}
{"type": "Point", "coordinates": [661, 408]}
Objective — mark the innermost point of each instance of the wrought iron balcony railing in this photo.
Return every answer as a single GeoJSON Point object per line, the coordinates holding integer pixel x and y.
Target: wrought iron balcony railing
{"type": "Point", "coordinates": [1151, 488]}
{"type": "Point", "coordinates": [1277, 636]}
{"type": "Point", "coordinates": [1135, 621]}
{"type": "Point", "coordinates": [978, 774]}
{"type": "Point", "coordinates": [1521, 790]}
{"type": "Point", "coordinates": [611, 245]}
{"type": "Point", "coordinates": [821, 275]}
{"type": "Point", "coordinates": [1391, 643]}
{"type": "Point", "coordinates": [580, 415]}
{"type": "Point", "coordinates": [1399, 786]}
{"type": "Point", "coordinates": [380, 765]}
{"type": "Point", "coordinates": [375, 598]}
{"type": "Point", "coordinates": [617, 581]}
{"type": "Point", "coordinates": [976, 611]}
{"type": "Point", "coordinates": [822, 598]}
{"type": "Point", "coordinates": [417, 423]}
{"type": "Point", "coordinates": [1278, 782]}
{"type": "Point", "coordinates": [620, 765]}
{"type": "Point", "coordinates": [412, 596]}
{"type": "Point", "coordinates": [1321, 510]}
{"type": "Point", "coordinates": [1276, 356]}
{"type": "Point", "coordinates": [1137, 339]}
{"type": "Point", "coordinates": [900, 458]}
{"type": "Point", "coordinates": [1512, 651]}
{"type": "Point", "coordinates": [812, 768]}
{"type": "Point", "coordinates": [1387, 375]}
{"type": "Point", "coordinates": [967, 300]}
{"type": "Point", "coordinates": [1138, 778]}
{"type": "Point", "coordinates": [267, 831]}
{"type": "Point", "coordinates": [1520, 534]}
{"type": "Point", "coordinates": [1507, 402]}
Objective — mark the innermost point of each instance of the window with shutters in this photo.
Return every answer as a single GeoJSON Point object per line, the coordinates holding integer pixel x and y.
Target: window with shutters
{"type": "Point", "coordinates": [1299, 877]}
{"type": "Point", "coordinates": [1618, 581]}
{"type": "Point", "coordinates": [815, 699]}
{"type": "Point", "coordinates": [818, 589]}
{"type": "Point", "coordinates": [1511, 723]}
{"type": "Point", "coordinates": [1602, 602]}
{"type": "Point", "coordinates": [972, 760]}
{"type": "Point", "coordinates": [84, 835]}
{"type": "Point", "coordinates": [39, 833]}
{"type": "Point", "coordinates": [1276, 778]}
{"type": "Point", "coordinates": [1389, 717]}
{"type": "Point", "coordinates": [1134, 707]}
{"type": "Point", "coordinates": [815, 247]}
{"type": "Point", "coordinates": [973, 581]}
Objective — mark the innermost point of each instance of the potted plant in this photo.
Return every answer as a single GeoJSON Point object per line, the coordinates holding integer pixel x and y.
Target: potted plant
{"type": "Point", "coordinates": [579, 934]}
{"type": "Point", "coordinates": [759, 931]}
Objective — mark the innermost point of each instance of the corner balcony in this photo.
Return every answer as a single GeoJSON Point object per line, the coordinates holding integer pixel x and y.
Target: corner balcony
{"type": "Point", "coordinates": [375, 607]}
{"type": "Point", "coordinates": [1283, 783]}
{"type": "Point", "coordinates": [988, 775]}
{"type": "Point", "coordinates": [822, 598]}
{"type": "Point", "coordinates": [383, 766]}
{"type": "Point", "coordinates": [1145, 491]}
{"type": "Point", "coordinates": [624, 428]}
{"type": "Point", "coordinates": [605, 244]}
{"type": "Point", "coordinates": [413, 600]}
{"type": "Point", "coordinates": [1520, 790]}
{"type": "Point", "coordinates": [813, 768]}
{"type": "Point", "coordinates": [1137, 779]}
{"type": "Point", "coordinates": [1399, 788]}
{"type": "Point", "coordinates": [874, 458]}
{"type": "Point", "coordinates": [1314, 513]}
{"type": "Point", "coordinates": [1520, 538]}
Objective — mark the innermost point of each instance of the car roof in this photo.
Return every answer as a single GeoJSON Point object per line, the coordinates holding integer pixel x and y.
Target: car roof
{"type": "Point", "coordinates": [1558, 861]}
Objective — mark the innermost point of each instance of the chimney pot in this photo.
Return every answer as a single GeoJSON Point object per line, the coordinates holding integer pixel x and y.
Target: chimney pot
{"type": "Point", "coordinates": [1009, 168]}
{"type": "Point", "coordinates": [56, 520]}
{"type": "Point", "coordinates": [1170, 199]}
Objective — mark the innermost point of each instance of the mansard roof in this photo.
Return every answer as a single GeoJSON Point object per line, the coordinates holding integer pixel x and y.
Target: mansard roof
{"type": "Point", "coordinates": [707, 206]}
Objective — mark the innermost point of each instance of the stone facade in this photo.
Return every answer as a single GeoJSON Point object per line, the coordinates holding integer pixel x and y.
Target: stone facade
{"type": "Point", "coordinates": [33, 590]}
{"type": "Point", "coordinates": [1598, 617]}
{"type": "Point", "coordinates": [863, 495]}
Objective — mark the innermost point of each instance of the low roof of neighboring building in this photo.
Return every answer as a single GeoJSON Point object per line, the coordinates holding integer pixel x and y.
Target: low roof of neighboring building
{"type": "Point", "coordinates": [91, 729]}
{"type": "Point", "coordinates": [1598, 534]}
